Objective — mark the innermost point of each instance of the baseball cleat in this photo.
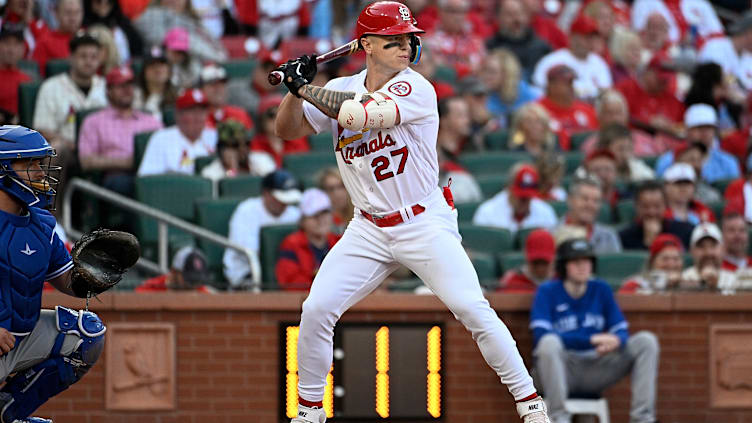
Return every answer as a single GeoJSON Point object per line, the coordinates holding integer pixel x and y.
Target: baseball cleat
{"type": "Point", "coordinates": [309, 415]}
{"type": "Point", "coordinates": [533, 411]}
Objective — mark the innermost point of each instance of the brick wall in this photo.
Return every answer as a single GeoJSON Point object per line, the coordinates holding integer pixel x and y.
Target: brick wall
{"type": "Point", "coordinates": [227, 355]}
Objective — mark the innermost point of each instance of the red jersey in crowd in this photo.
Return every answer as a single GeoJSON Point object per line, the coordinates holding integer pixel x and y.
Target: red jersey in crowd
{"type": "Point", "coordinates": [52, 45]}
{"type": "Point", "coordinates": [299, 261]}
{"type": "Point", "coordinates": [546, 28]}
{"type": "Point", "coordinates": [516, 281]}
{"type": "Point", "coordinates": [733, 267]}
{"type": "Point", "coordinates": [697, 211]}
{"type": "Point", "coordinates": [261, 143]}
{"type": "Point", "coordinates": [33, 32]}
{"type": "Point", "coordinates": [12, 77]}
{"type": "Point", "coordinates": [229, 112]}
{"type": "Point", "coordinates": [566, 121]}
{"type": "Point", "coordinates": [159, 284]}
{"type": "Point", "coordinates": [644, 106]}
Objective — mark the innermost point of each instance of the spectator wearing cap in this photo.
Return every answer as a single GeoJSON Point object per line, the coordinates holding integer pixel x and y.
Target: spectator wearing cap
{"type": "Point", "coordinates": [568, 114]}
{"type": "Point", "coordinates": [518, 206]}
{"type": "Point", "coordinates": [592, 73]}
{"type": "Point", "coordinates": [690, 21]}
{"type": "Point", "coordinates": [531, 132]}
{"type": "Point", "coordinates": [12, 49]}
{"type": "Point", "coordinates": [302, 252]}
{"type": "Point", "coordinates": [706, 272]}
{"type": "Point", "coordinates": [234, 156]}
{"type": "Point", "coordinates": [650, 219]}
{"type": "Point", "coordinates": [161, 17]}
{"type": "Point", "coordinates": [732, 53]}
{"type": "Point", "coordinates": [581, 341]}
{"type": "Point", "coordinates": [247, 92]}
{"type": "Point", "coordinates": [711, 86]}
{"type": "Point", "coordinates": [453, 41]}
{"type": "Point", "coordinates": [544, 26]}
{"type": "Point", "coordinates": [214, 84]}
{"type": "Point", "coordinates": [508, 91]}
{"type": "Point", "coordinates": [695, 154]}
{"type": "Point", "coordinates": [174, 149]}
{"type": "Point", "coordinates": [652, 105]}
{"type": "Point", "coordinates": [279, 192]}
{"type": "Point", "coordinates": [109, 14]}
{"type": "Point", "coordinates": [538, 267]}
{"type": "Point", "coordinates": [189, 272]}
{"type": "Point", "coordinates": [56, 44]}
{"type": "Point", "coordinates": [106, 136]}
{"type": "Point", "coordinates": [266, 140]}
{"type": "Point", "coordinates": [739, 192]}
{"type": "Point", "coordinates": [185, 69]}
{"type": "Point", "coordinates": [583, 205]}
{"type": "Point", "coordinates": [516, 34]}
{"type": "Point", "coordinates": [701, 121]}
{"type": "Point", "coordinates": [662, 271]}
{"type": "Point", "coordinates": [155, 91]}
{"type": "Point", "coordinates": [679, 184]}
{"type": "Point", "coordinates": [736, 246]}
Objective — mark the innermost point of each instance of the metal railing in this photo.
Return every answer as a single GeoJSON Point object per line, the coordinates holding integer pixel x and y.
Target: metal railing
{"type": "Point", "coordinates": [163, 219]}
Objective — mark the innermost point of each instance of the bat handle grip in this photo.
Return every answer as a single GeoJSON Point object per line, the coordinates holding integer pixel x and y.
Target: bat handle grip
{"type": "Point", "coordinates": [275, 77]}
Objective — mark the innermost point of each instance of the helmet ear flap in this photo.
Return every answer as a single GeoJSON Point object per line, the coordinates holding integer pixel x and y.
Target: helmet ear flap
{"type": "Point", "coordinates": [415, 49]}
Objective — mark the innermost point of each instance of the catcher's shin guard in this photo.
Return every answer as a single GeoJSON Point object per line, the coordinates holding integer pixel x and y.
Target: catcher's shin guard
{"type": "Point", "coordinates": [30, 388]}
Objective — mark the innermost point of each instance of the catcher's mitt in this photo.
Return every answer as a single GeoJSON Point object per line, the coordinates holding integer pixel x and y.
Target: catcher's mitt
{"type": "Point", "coordinates": [99, 260]}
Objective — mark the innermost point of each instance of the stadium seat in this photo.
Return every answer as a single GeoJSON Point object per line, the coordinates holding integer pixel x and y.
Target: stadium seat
{"type": "Point", "coordinates": [717, 208]}
{"type": "Point", "coordinates": [30, 67]}
{"type": "Point", "coordinates": [214, 215]}
{"type": "Point", "coordinates": [486, 267]}
{"type": "Point", "coordinates": [560, 207]}
{"type": "Point", "coordinates": [27, 101]}
{"type": "Point", "coordinates": [573, 160]}
{"type": "Point", "coordinates": [140, 141]}
{"type": "Point", "coordinates": [235, 46]}
{"type": "Point", "coordinates": [174, 194]}
{"type": "Point", "coordinates": [271, 238]}
{"type": "Point", "coordinates": [240, 186]}
{"type": "Point", "coordinates": [201, 163]}
{"type": "Point", "coordinates": [466, 211]}
{"type": "Point", "coordinates": [521, 236]}
{"type": "Point", "coordinates": [511, 260]}
{"type": "Point", "coordinates": [445, 74]}
{"type": "Point", "coordinates": [497, 140]}
{"type": "Point", "coordinates": [625, 211]}
{"type": "Point", "coordinates": [576, 140]}
{"type": "Point", "coordinates": [485, 238]}
{"type": "Point", "coordinates": [650, 161]}
{"type": "Point", "coordinates": [321, 142]}
{"type": "Point", "coordinates": [306, 166]}
{"type": "Point", "coordinates": [80, 117]}
{"type": "Point", "coordinates": [405, 285]}
{"type": "Point", "coordinates": [721, 186]}
{"type": "Point", "coordinates": [615, 267]}
{"type": "Point", "coordinates": [492, 162]}
{"type": "Point", "coordinates": [56, 66]}
{"type": "Point", "coordinates": [490, 185]}
{"type": "Point", "coordinates": [239, 68]}
{"type": "Point", "coordinates": [168, 116]}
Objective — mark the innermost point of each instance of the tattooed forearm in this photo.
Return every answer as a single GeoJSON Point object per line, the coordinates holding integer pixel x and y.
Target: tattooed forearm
{"type": "Point", "coordinates": [328, 101]}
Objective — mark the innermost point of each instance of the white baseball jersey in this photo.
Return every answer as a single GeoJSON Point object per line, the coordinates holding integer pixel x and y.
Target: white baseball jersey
{"type": "Point", "coordinates": [169, 151]}
{"type": "Point", "coordinates": [387, 169]}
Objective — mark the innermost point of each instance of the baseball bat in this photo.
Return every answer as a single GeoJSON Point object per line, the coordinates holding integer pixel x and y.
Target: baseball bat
{"type": "Point", "coordinates": [275, 77]}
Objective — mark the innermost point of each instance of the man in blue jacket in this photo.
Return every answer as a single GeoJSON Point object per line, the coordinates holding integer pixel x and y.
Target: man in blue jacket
{"type": "Point", "coordinates": [581, 342]}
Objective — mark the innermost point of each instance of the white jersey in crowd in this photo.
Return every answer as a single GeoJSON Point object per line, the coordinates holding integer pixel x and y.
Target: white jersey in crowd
{"type": "Point", "coordinates": [387, 169]}
{"type": "Point", "coordinates": [721, 50]}
{"type": "Point", "coordinates": [698, 13]}
{"type": "Point", "coordinates": [169, 151]}
{"type": "Point", "coordinates": [593, 73]}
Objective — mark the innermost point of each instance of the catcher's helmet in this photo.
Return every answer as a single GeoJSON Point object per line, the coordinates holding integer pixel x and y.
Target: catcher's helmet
{"type": "Point", "coordinates": [572, 249]}
{"type": "Point", "coordinates": [390, 18]}
{"type": "Point", "coordinates": [33, 187]}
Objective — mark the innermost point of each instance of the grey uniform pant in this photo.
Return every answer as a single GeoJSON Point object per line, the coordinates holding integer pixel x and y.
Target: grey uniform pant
{"type": "Point", "coordinates": [559, 372]}
{"type": "Point", "coordinates": [36, 347]}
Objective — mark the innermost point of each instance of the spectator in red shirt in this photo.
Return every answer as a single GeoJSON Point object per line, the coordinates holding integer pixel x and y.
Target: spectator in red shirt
{"type": "Point", "coordinates": [189, 269]}
{"type": "Point", "coordinates": [330, 181]}
{"type": "Point", "coordinates": [266, 140]}
{"type": "Point", "coordinates": [453, 42]}
{"type": "Point", "coordinates": [663, 269]}
{"type": "Point", "coordinates": [301, 253]}
{"type": "Point", "coordinates": [12, 49]}
{"type": "Point", "coordinates": [213, 80]}
{"type": "Point", "coordinates": [545, 26]}
{"type": "Point", "coordinates": [54, 44]}
{"type": "Point", "coordinates": [21, 12]}
{"type": "Point", "coordinates": [568, 115]}
{"type": "Point", "coordinates": [652, 104]}
{"type": "Point", "coordinates": [538, 267]}
{"type": "Point", "coordinates": [736, 242]}
{"type": "Point", "coordinates": [739, 192]}
{"type": "Point", "coordinates": [680, 192]}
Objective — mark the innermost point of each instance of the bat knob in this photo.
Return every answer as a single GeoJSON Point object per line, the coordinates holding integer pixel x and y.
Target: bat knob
{"type": "Point", "coordinates": [275, 77]}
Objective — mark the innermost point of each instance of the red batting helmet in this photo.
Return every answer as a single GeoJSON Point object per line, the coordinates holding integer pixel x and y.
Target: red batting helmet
{"type": "Point", "coordinates": [386, 18]}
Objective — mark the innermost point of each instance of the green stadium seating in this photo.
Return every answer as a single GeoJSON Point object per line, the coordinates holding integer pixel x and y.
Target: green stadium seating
{"type": "Point", "coordinates": [56, 66]}
{"type": "Point", "coordinates": [492, 162]}
{"type": "Point", "coordinates": [27, 99]}
{"type": "Point", "coordinates": [466, 211]}
{"type": "Point", "coordinates": [717, 208]}
{"type": "Point", "coordinates": [485, 266]}
{"type": "Point", "coordinates": [573, 160]}
{"type": "Point", "coordinates": [168, 116]}
{"type": "Point", "coordinates": [30, 67]}
{"type": "Point", "coordinates": [521, 236]}
{"type": "Point", "coordinates": [497, 140]}
{"type": "Point", "coordinates": [445, 74]}
{"type": "Point", "coordinates": [306, 166]}
{"type": "Point", "coordinates": [214, 215]}
{"type": "Point", "coordinates": [625, 211]}
{"type": "Point", "coordinates": [485, 238]}
{"type": "Point", "coordinates": [560, 207]}
{"type": "Point", "coordinates": [140, 141]}
{"type": "Point", "coordinates": [405, 285]}
{"type": "Point", "coordinates": [576, 140]}
{"type": "Point", "coordinates": [174, 194]}
{"type": "Point", "coordinates": [604, 214]}
{"type": "Point", "coordinates": [80, 117]}
{"type": "Point", "coordinates": [650, 161]}
{"type": "Point", "coordinates": [201, 163]}
{"type": "Point", "coordinates": [321, 142]}
{"type": "Point", "coordinates": [239, 68]}
{"type": "Point", "coordinates": [615, 267]}
{"type": "Point", "coordinates": [722, 185]}
{"type": "Point", "coordinates": [271, 238]}
{"type": "Point", "coordinates": [511, 260]}
{"type": "Point", "coordinates": [243, 186]}
{"type": "Point", "coordinates": [490, 185]}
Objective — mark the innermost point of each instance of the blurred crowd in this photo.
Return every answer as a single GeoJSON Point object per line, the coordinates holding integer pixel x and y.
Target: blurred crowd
{"type": "Point", "coordinates": [650, 98]}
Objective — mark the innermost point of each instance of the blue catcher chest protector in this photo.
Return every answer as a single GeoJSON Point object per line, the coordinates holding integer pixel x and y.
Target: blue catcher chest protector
{"type": "Point", "coordinates": [28, 187]}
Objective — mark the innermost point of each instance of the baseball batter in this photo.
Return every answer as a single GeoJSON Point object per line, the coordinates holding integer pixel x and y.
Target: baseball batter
{"type": "Point", "coordinates": [385, 122]}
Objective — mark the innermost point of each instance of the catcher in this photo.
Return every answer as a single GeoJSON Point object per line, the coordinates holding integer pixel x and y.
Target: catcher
{"type": "Point", "coordinates": [46, 350]}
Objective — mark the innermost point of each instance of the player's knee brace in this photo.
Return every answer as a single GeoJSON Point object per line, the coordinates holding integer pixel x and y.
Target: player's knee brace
{"type": "Point", "coordinates": [30, 388]}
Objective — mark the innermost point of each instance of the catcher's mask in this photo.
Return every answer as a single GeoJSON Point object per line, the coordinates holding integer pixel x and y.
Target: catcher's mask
{"type": "Point", "coordinates": [26, 170]}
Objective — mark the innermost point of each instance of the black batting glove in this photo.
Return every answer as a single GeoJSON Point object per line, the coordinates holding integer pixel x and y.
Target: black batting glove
{"type": "Point", "coordinates": [298, 72]}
